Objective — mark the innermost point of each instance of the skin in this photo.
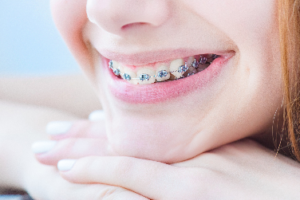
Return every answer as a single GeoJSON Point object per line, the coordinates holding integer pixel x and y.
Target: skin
{"type": "Point", "coordinates": [39, 91]}
{"type": "Point", "coordinates": [233, 171]}
{"type": "Point", "coordinates": [21, 125]}
{"type": "Point", "coordinates": [250, 86]}
{"type": "Point", "coordinates": [217, 174]}
{"type": "Point", "coordinates": [238, 103]}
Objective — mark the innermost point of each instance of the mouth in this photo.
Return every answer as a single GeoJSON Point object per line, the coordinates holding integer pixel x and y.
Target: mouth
{"type": "Point", "coordinates": [162, 72]}
{"type": "Point", "coordinates": [158, 82]}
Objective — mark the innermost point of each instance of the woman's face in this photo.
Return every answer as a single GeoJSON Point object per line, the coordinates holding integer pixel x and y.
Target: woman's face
{"type": "Point", "coordinates": [234, 97]}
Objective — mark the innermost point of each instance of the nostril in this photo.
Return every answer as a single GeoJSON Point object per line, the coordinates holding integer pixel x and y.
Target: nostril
{"type": "Point", "coordinates": [115, 16]}
{"type": "Point", "coordinates": [133, 25]}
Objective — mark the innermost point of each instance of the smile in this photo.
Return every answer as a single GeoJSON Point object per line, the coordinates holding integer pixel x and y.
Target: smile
{"type": "Point", "coordinates": [174, 70]}
{"type": "Point", "coordinates": [134, 84]}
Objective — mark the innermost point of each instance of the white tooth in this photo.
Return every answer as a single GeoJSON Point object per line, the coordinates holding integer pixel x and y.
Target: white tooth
{"type": "Point", "coordinates": [115, 64]}
{"type": "Point", "coordinates": [121, 68]}
{"type": "Point", "coordinates": [190, 61]}
{"type": "Point", "coordinates": [132, 75]}
{"type": "Point", "coordinates": [174, 65]}
{"type": "Point", "coordinates": [160, 68]}
{"type": "Point", "coordinates": [148, 71]}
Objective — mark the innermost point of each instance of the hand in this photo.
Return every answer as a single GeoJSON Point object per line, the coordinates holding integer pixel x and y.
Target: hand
{"type": "Point", "coordinates": [44, 183]}
{"type": "Point", "coordinates": [73, 140]}
{"type": "Point", "coordinates": [242, 170]}
{"type": "Point", "coordinates": [217, 168]}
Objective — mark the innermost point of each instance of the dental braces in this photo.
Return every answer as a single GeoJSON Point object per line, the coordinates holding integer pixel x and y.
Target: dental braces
{"type": "Point", "coordinates": [164, 73]}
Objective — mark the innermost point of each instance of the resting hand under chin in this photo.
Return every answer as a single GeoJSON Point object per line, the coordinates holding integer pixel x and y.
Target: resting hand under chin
{"type": "Point", "coordinates": [73, 140]}
{"type": "Point", "coordinates": [241, 170]}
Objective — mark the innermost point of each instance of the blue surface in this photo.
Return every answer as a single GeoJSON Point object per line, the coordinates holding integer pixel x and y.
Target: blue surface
{"type": "Point", "coordinates": [29, 42]}
{"type": "Point", "coordinates": [15, 197]}
{"type": "Point", "coordinates": [10, 197]}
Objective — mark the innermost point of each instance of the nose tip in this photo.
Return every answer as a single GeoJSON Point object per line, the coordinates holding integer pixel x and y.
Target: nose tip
{"type": "Point", "coordinates": [114, 16]}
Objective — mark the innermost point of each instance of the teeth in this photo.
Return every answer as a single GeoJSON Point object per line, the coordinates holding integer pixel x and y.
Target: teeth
{"type": "Point", "coordinates": [195, 63]}
{"type": "Point", "coordinates": [183, 68]}
{"type": "Point", "coordinates": [190, 71]}
{"type": "Point", "coordinates": [190, 61]}
{"type": "Point", "coordinates": [113, 64]}
{"type": "Point", "coordinates": [116, 72]}
{"type": "Point", "coordinates": [110, 64]}
{"type": "Point", "coordinates": [176, 69]}
{"type": "Point", "coordinates": [214, 56]}
{"type": "Point", "coordinates": [174, 66]}
{"type": "Point", "coordinates": [146, 76]}
{"type": "Point", "coordinates": [202, 60]}
{"type": "Point", "coordinates": [115, 67]}
{"type": "Point", "coordinates": [130, 76]}
{"type": "Point", "coordinates": [162, 73]}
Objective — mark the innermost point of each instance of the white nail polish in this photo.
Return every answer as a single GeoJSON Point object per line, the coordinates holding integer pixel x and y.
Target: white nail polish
{"type": "Point", "coordinates": [43, 146]}
{"type": "Point", "coordinates": [97, 115]}
{"type": "Point", "coordinates": [65, 165]}
{"type": "Point", "coordinates": [58, 127]}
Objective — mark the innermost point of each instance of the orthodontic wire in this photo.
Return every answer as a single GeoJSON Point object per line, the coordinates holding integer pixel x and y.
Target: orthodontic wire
{"type": "Point", "coordinates": [146, 77]}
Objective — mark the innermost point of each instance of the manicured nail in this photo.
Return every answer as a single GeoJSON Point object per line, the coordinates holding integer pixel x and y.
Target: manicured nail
{"type": "Point", "coordinates": [97, 115]}
{"type": "Point", "coordinates": [65, 165]}
{"type": "Point", "coordinates": [58, 127]}
{"type": "Point", "coordinates": [43, 146]}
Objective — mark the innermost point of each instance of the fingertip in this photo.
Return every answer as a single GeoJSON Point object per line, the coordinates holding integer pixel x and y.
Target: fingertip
{"type": "Point", "coordinates": [97, 115]}
{"type": "Point", "coordinates": [43, 146]}
{"type": "Point", "coordinates": [66, 165]}
{"type": "Point", "coordinates": [58, 127]}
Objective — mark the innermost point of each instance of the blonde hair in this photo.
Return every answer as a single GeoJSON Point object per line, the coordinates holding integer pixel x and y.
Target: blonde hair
{"type": "Point", "coordinates": [289, 29]}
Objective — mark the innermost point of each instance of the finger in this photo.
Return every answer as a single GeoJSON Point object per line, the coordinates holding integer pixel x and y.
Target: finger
{"type": "Point", "coordinates": [54, 187]}
{"type": "Point", "coordinates": [50, 152]}
{"type": "Point", "coordinates": [95, 192]}
{"type": "Point", "coordinates": [97, 115]}
{"type": "Point", "coordinates": [152, 179]}
{"type": "Point", "coordinates": [82, 128]}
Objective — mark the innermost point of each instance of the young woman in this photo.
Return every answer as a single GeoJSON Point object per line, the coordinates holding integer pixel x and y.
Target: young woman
{"type": "Point", "coordinates": [177, 79]}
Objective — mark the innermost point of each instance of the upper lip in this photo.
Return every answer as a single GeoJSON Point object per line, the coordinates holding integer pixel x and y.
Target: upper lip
{"type": "Point", "coordinates": [144, 58]}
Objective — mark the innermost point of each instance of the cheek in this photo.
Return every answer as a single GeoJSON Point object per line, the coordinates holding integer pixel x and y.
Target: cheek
{"type": "Point", "coordinates": [240, 19]}
{"type": "Point", "coordinates": [70, 19]}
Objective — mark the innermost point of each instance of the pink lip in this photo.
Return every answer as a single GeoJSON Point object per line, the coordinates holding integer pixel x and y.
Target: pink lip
{"type": "Point", "coordinates": [146, 58]}
{"type": "Point", "coordinates": [159, 92]}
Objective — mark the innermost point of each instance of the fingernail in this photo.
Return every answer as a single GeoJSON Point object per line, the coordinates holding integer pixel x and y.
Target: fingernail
{"type": "Point", "coordinates": [58, 127]}
{"type": "Point", "coordinates": [43, 146]}
{"type": "Point", "coordinates": [65, 165]}
{"type": "Point", "coordinates": [97, 115]}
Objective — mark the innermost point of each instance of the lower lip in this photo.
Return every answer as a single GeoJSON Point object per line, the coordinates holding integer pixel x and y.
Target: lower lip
{"type": "Point", "coordinates": [162, 91]}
